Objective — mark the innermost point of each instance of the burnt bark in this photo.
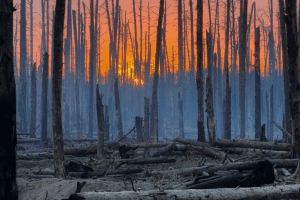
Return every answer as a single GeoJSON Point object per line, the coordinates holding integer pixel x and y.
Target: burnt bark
{"type": "Point", "coordinates": [44, 97]}
{"type": "Point", "coordinates": [33, 102]}
{"type": "Point", "coordinates": [199, 78]}
{"type": "Point", "coordinates": [154, 105]}
{"type": "Point", "coordinates": [8, 136]}
{"type": "Point", "coordinates": [146, 118]}
{"type": "Point", "coordinates": [58, 143]}
{"type": "Point", "coordinates": [118, 108]}
{"type": "Point", "coordinates": [257, 84]}
{"type": "Point", "coordinates": [100, 117]}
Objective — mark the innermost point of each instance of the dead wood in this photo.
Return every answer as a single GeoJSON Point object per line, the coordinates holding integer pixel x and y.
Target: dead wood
{"type": "Point", "coordinates": [253, 144]}
{"type": "Point", "coordinates": [268, 193]}
{"type": "Point", "coordinates": [250, 165]}
{"type": "Point", "coordinates": [283, 130]}
{"type": "Point", "coordinates": [270, 153]}
{"type": "Point", "coordinates": [162, 150]}
{"type": "Point", "coordinates": [202, 147]}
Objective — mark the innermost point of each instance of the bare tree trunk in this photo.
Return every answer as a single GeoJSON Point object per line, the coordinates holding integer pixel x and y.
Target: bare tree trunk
{"type": "Point", "coordinates": [44, 98]}
{"type": "Point", "coordinates": [139, 124]}
{"type": "Point", "coordinates": [106, 124]}
{"type": "Point", "coordinates": [209, 93]}
{"type": "Point", "coordinates": [58, 143]}
{"type": "Point", "coordinates": [141, 35]}
{"type": "Point", "coordinates": [8, 137]}
{"type": "Point", "coordinates": [227, 128]}
{"type": "Point", "coordinates": [154, 105]}
{"type": "Point", "coordinates": [136, 60]}
{"type": "Point", "coordinates": [192, 65]}
{"type": "Point", "coordinates": [293, 48]}
{"type": "Point", "coordinates": [118, 108]}
{"type": "Point", "coordinates": [23, 58]}
{"type": "Point", "coordinates": [257, 84]}
{"type": "Point", "coordinates": [285, 68]}
{"type": "Point", "coordinates": [199, 78]}
{"type": "Point", "coordinates": [146, 119]}
{"type": "Point", "coordinates": [180, 70]}
{"type": "Point", "coordinates": [100, 117]}
{"type": "Point", "coordinates": [33, 102]}
{"type": "Point", "coordinates": [31, 32]}
{"type": "Point", "coordinates": [270, 136]}
{"type": "Point", "coordinates": [242, 72]}
{"type": "Point", "coordinates": [91, 71]}
{"type": "Point", "coordinates": [77, 53]}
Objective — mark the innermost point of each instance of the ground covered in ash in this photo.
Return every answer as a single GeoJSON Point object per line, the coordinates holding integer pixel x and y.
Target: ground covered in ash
{"type": "Point", "coordinates": [34, 186]}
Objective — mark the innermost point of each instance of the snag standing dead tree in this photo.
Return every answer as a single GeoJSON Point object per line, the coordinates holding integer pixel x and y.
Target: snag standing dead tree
{"type": "Point", "coordinates": [33, 102]}
{"type": "Point", "coordinates": [242, 57]}
{"type": "Point", "coordinates": [8, 136]}
{"type": "Point", "coordinates": [257, 84]}
{"type": "Point", "coordinates": [293, 71]}
{"type": "Point", "coordinates": [154, 105]}
{"type": "Point", "coordinates": [44, 98]}
{"type": "Point", "coordinates": [199, 78]}
{"type": "Point", "coordinates": [180, 70]}
{"type": "Point", "coordinates": [100, 117]}
{"type": "Point", "coordinates": [211, 126]}
{"type": "Point", "coordinates": [118, 108]}
{"type": "Point", "coordinates": [23, 68]}
{"type": "Point", "coordinates": [58, 143]}
{"type": "Point", "coordinates": [91, 70]}
{"type": "Point", "coordinates": [146, 119]}
{"type": "Point", "coordinates": [227, 128]}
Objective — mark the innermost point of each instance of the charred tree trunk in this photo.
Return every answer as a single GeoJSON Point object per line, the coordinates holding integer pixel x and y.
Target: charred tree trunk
{"type": "Point", "coordinates": [227, 128]}
{"type": "Point", "coordinates": [23, 68]}
{"type": "Point", "coordinates": [44, 98]}
{"type": "Point", "coordinates": [118, 108]}
{"type": "Point", "coordinates": [180, 70]}
{"type": "Point", "coordinates": [31, 32]}
{"type": "Point", "coordinates": [192, 65]}
{"type": "Point", "coordinates": [154, 105]}
{"type": "Point", "coordinates": [293, 72]}
{"type": "Point", "coordinates": [91, 71]}
{"type": "Point", "coordinates": [8, 136]}
{"type": "Point", "coordinates": [58, 142]}
{"type": "Point", "coordinates": [146, 119]}
{"type": "Point", "coordinates": [285, 68]}
{"type": "Point", "coordinates": [242, 71]}
{"type": "Point", "coordinates": [257, 84]}
{"type": "Point", "coordinates": [106, 124]}
{"type": "Point", "coordinates": [33, 102]}
{"type": "Point", "coordinates": [199, 78]}
{"type": "Point", "coordinates": [100, 117]}
{"type": "Point", "coordinates": [209, 93]}
{"type": "Point", "coordinates": [136, 61]}
{"type": "Point", "coordinates": [139, 124]}
{"type": "Point", "coordinates": [77, 53]}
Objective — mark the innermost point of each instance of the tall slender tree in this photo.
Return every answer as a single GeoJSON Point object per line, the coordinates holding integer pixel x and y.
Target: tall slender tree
{"type": "Point", "coordinates": [293, 71]}
{"type": "Point", "coordinates": [44, 110]}
{"type": "Point", "coordinates": [242, 64]}
{"type": "Point", "coordinates": [227, 128]}
{"type": "Point", "coordinates": [257, 84]}
{"type": "Point", "coordinates": [180, 70]}
{"type": "Point", "coordinates": [58, 142]}
{"type": "Point", "coordinates": [154, 105]}
{"type": "Point", "coordinates": [23, 67]}
{"type": "Point", "coordinates": [199, 77]}
{"type": "Point", "coordinates": [8, 136]}
{"type": "Point", "coordinates": [91, 71]}
{"type": "Point", "coordinates": [33, 101]}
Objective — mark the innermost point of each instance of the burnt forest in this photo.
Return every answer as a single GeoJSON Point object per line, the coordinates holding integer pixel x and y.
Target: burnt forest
{"type": "Point", "coordinates": [140, 99]}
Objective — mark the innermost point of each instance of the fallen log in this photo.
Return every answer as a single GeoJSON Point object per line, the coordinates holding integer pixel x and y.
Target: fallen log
{"type": "Point", "coordinates": [254, 193]}
{"type": "Point", "coordinates": [29, 140]}
{"type": "Point", "coordinates": [162, 150]}
{"type": "Point", "coordinates": [271, 153]}
{"type": "Point", "coordinates": [253, 144]}
{"type": "Point", "coordinates": [148, 161]}
{"type": "Point", "coordinates": [202, 147]}
{"type": "Point", "coordinates": [250, 165]}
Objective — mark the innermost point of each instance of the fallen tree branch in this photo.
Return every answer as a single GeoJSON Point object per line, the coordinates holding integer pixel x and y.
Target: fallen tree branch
{"type": "Point", "coordinates": [283, 130]}
{"type": "Point", "coordinates": [267, 193]}
{"type": "Point", "coordinates": [253, 144]}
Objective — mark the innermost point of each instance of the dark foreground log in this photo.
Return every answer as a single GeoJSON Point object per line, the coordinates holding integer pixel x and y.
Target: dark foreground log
{"type": "Point", "coordinates": [253, 144]}
{"type": "Point", "coordinates": [254, 193]}
{"type": "Point", "coordinates": [278, 163]}
{"type": "Point", "coordinates": [162, 150]}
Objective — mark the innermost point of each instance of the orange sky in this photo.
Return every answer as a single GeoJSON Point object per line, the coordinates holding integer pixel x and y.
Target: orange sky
{"type": "Point", "coordinates": [262, 15]}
